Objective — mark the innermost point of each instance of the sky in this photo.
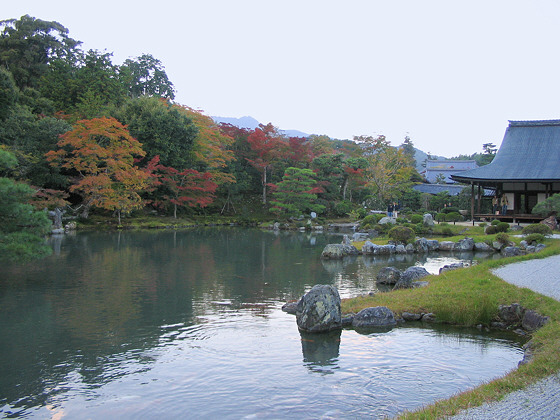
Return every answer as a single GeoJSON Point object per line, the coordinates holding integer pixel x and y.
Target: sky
{"type": "Point", "coordinates": [447, 74]}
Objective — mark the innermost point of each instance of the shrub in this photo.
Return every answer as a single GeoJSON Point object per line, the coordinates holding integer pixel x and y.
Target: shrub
{"type": "Point", "coordinates": [368, 221]}
{"type": "Point", "coordinates": [448, 210]}
{"type": "Point", "coordinates": [343, 208]}
{"type": "Point", "coordinates": [483, 224]}
{"type": "Point", "coordinates": [495, 222]}
{"type": "Point", "coordinates": [537, 228]}
{"type": "Point", "coordinates": [502, 227]}
{"type": "Point", "coordinates": [453, 217]}
{"type": "Point", "coordinates": [534, 238]}
{"type": "Point", "coordinates": [440, 217]}
{"type": "Point", "coordinates": [490, 230]}
{"type": "Point", "coordinates": [502, 238]}
{"type": "Point", "coordinates": [402, 234]}
{"type": "Point", "coordinates": [416, 218]}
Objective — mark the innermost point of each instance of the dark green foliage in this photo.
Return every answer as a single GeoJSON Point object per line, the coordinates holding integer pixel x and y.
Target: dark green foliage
{"type": "Point", "coordinates": [537, 228]}
{"type": "Point", "coordinates": [502, 227]}
{"type": "Point", "coordinates": [440, 217]}
{"type": "Point", "coordinates": [402, 234]}
{"type": "Point", "coordinates": [491, 230]}
{"type": "Point", "coordinates": [145, 76]}
{"type": "Point", "coordinates": [294, 195]}
{"type": "Point", "coordinates": [495, 222]}
{"type": "Point", "coordinates": [447, 231]}
{"type": "Point", "coordinates": [453, 217]}
{"type": "Point", "coordinates": [416, 218]}
{"type": "Point", "coordinates": [21, 226]}
{"type": "Point", "coordinates": [535, 238]}
{"type": "Point", "coordinates": [502, 238]}
{"type": "Point", "coordinates": [161, 129]}
{"type": "Point", "coordinates": [549, 206]}
{"type": "Point", "coordinates": [343, 208]}
{"type": "Point", "coordinates": [450, 209]}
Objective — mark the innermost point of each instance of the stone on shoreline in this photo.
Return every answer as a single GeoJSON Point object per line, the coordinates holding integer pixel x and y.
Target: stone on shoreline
{"type": "Point", "coordinates": [319, 310]}
{"type": "Point", "coordinates": [376, 317]}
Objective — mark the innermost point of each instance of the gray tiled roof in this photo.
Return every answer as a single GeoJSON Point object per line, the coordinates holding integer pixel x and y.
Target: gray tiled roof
{"type": "Point", "coordinates": [530, 151]}
{"type": "Point", "coordinates": [452, 190]}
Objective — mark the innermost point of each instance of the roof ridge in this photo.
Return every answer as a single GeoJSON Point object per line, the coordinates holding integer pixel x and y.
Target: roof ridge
{"type": "Point", "coordinates": [533, 123]}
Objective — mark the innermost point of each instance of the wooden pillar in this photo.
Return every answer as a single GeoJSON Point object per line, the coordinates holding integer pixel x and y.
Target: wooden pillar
{"type": "Point", "coordinates": [472, 202]}
{"type": "Point", "coordinates": [479, 200]}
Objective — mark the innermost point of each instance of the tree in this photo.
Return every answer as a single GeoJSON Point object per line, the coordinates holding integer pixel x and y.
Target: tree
{"type": "Point", "coordinates": [145, 76]}
{"type": "Point", "coordinates": [28, 46]}
{"type": "Point", "coordinates": [296, 193]}
{"type": "Point", "coordinates": [548, 207]}
{"type": "Point", "coordinates": [101, 151]}
{"type": "Point", "coordinates": [21, 227]}
{"type": "Point", "coordinates": [183, 188]}
{"type": "Point", "coordinates": [162, 129]}
{"type": "Point", "coordinates": [389, 170]}
{"type": "Point", "coordinates": [354, 170]}
{"type": "Point", "coordinates": [268, 145]}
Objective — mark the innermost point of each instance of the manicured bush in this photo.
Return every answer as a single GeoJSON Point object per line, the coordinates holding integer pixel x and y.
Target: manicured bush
{"type": "Point", "coordinates": [402, 234]}
{"type": "Point", "coordinates": [440, 217]}
{"type": "Point", "coordinates": [448, 210]}
{"type": "Point", "coordinates": [483, 224]}
{"type": "Point", "coordinates": [343, 208]}
{"type": "Point", "coordinates": [416, 218]}
{"type": "Point", "coordinates": [502, 227]}
{"type": "Point", "coordinates": [495, 222]}
{"type": "Point", "coordinates": [537, 228]}
{"type": "Point", "coordinates": [491, 230]}
{"type": "Point", "coordinates": [534, 238]}
{"type": "Point", "coordinates": [368, 222]}
{"type": "Point", "coordinates": [502, 238]}
{"type": "Point", "coordinates": [453, 217]}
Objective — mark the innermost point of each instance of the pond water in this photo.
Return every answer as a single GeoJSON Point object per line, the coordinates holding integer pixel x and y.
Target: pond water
{"type": "Point", "coordinates": [188, 324]}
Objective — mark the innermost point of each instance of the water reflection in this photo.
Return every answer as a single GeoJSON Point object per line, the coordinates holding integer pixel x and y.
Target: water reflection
{"type": "Point", "coordinates": [321, 351]}
{"type": "Point", "coordinates": [183, 313]}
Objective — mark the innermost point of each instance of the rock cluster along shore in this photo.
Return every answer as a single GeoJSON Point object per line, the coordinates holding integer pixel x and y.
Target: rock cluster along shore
{"type": "Point", "coordinates": [423, 245]}
{"type": "Point", "coordinates": [319, 311]}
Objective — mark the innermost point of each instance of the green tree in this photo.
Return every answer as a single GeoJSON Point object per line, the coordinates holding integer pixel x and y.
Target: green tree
{"type": "Point", "coordinates": [146, 76]}
{"type": "Point", "coordinates": [295, 194]}
{"type": "Point", "coordinates": [21, 227]}
{"type": "Point", "coordinates": [162, 129]}
{"type": "Point", "coordinates": [8, 93]}
{"type": "Point", "coordinates": [28, 45]}
{"type": "Point", "coordinates": [548, 207]}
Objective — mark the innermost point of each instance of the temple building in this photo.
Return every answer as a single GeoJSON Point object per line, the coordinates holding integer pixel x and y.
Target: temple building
{"type": "Point", "coordinates": [526, 169]}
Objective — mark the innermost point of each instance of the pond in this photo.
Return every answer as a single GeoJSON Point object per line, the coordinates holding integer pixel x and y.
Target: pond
{"type": "Point", "coordinates": [188, 324]}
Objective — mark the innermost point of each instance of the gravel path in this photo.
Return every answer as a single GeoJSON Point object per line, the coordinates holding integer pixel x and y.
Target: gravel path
{"type": "Point", "coordinates": [540, 400]}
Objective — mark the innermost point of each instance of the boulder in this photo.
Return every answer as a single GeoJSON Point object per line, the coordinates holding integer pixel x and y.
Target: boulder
{"type": "Point", "coordinates": [369, 248]}
{"type": "Point", "coordinates": [511, 314]}
{"type": "Point", "coordinates": [421, 245]}
{"type": "Point", "coordinates": [389, 275]}
{"type": "Point", "coordinates": [533, 321]}
{"type": "Point", "coordinates": [483, 247]}
{"type": "Point", "coordinates": [408, 316]}
{"type": "Point", "coordinates": [466, 244]}
{"type": "Point", "coordinates": [360, 236]}
{"type": "Point", "coordinates": [446, 246]}
{"type": "Point", "coordinates": [290, 307]}
{"type": "Point", "coordinates": [449, 267]}
{"type": "Point", "coordinates": [337, 251]}
{"type": "Point", "coordinates": [386, 220]}
{"type": "Point", "coordinates": [512, 251]}
{"type": "Point", "coordinates": [428, 220]}
{"type": "Point", "coordinates": [377, 317]}
{"type": "Point", "coordinates": [433, 244]}
{"type": "Point", "coordinates": [409, 276]}
{"type": "Point", "coordinates": [346, 240]}
{"type": "Point", "coordinates": [550, 222]}
{"type": "Point", "coordinates": [319, 310]}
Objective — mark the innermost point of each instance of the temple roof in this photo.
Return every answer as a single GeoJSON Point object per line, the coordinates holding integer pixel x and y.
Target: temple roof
{"type": "Point", "coordinates": [530, 152]}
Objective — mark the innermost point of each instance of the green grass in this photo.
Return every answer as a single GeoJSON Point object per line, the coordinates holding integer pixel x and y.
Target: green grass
{"type": "Point", "coordinates": [470, 296]}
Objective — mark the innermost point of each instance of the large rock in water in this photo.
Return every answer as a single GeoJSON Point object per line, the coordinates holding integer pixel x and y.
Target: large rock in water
{"type": "Point", "coordinates": [377, 317]}
{"type": "Point", "coordinates": [389, 275]}
{"type": "Point", "coordinates": [319, 310]}
{"type": "Point", "coordinates": [337, 251]}
{"type": "Point", "coordinates": [410, 275]}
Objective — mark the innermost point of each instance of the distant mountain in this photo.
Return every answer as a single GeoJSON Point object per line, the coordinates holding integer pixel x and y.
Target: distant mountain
{"type": "Point", "coordinates": [251, 124]}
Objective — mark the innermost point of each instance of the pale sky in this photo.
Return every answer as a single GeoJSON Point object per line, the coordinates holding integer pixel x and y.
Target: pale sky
{"type": "Point", "coordinates": [449, 74]}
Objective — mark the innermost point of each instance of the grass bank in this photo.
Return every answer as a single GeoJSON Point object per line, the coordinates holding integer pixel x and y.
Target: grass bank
{"type": "Point", "coordinates": [469, 297]}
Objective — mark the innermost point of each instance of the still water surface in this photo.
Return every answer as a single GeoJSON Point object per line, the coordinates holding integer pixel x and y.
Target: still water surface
{"type": "Point", "coordinates": [188, 324]}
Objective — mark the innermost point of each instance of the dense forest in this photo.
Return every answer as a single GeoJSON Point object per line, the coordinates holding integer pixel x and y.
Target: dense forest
{"type": "Point", "coordinates": [81, 133]}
